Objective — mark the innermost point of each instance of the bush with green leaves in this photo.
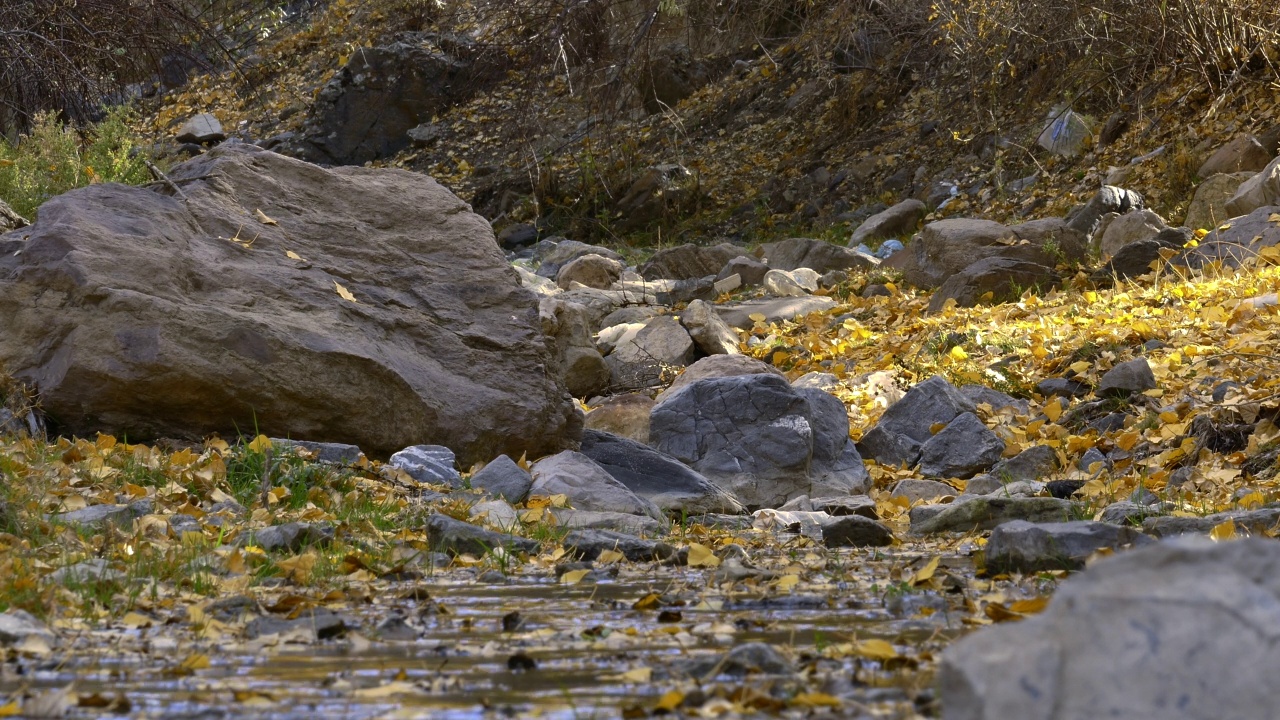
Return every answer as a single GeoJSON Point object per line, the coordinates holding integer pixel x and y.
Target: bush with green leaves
{"type": "Point", "coordinates": [53, 158]}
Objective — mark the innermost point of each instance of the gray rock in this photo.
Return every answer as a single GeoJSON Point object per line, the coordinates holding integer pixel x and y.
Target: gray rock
{"type": "Point", "coordinates": [587, 485]}
{"type": "Point", "coordinates": [1021, 489]}
{"type": "Point", "coordinates": [1020, 546]}
{"type": "Point", "coordinates": [1208, 208]}
{"type": "Point", "coordinates": [748, 269]}
{"type": "Point", "coordinates": [1136, 258]}
{"type": "Point", "coordinates": [1178, 631]}
{"type": "Point", "coordinates": [1003, 278]}
{"type": "Point", "coordinates": [97, 570]}
{"type": "Point", "coordinates": [97, 516]}
{"type": "Point", "coordinates": [1133, 226]}
{"type": "Point", "coordinates": [755, 658]}
{"type": "Point", "coordinates": [560, 252]}
{"type": "Point", "coordinates": [825, 382]}
{"type": "Point", "coordinates": [1065, 387]}
{"type": "Point", "coordinates": [1240, 241]}
{"type": "Point", "coordinates": [202, 129]}
{"type": "Point", "coordinates": [670, 485]}
{"type": "Point", "coordinates": [594, 271]}
{"type": "Point", "coordinates": [1109, 199]}
{"type": "Point", "coordinates": [441, 332]}
{"type": "Point", "coordinates": [751, 435]}
{"type": "Point", "coordinates": [897, 221]}
{"type": "Point", "coordinates": [574, 357]}
{"type": "Point", "coordinates": [818, 255]}
{"type": "Point", "coordinates": [495, 513]}
{"type": "Point", "coordinates": [18, 625]}
{"type": "Point", "coordinates": [855, 531]}
{"type": "Point", "coordinates": [946, 247]}
{"type": "Point", "coordinates": [588, 544]}
{"type": "Point", "coordinates": [1127, 378]}
{"type": "Point", "coordinates": [981, 394]}
{"type": "Point", "coordinates": [915, 490]}
{"type": "Point", "coordinates": [1259, 191]}
{"type": "Point", "coordinates": [612, 521]}
{"type": "Point", "coordinates": [656, 352]}
{"type": "Point", "coordinates": [311, 625]}
{"type": "Point", "coordinates": [10, 220]}
{"type": "Point", "coordinates": [428, 134]}
{"type": "Point", "coordinates": [333, 453]}
{"type": "Point", "coordinates": [623, 415]}
{"type": "Point", "coordinates": [430, 464]}
{"type": "Point", "coordinates": [503, 478]}
{"type": "Point", "coordinates": [798, 283]}
{"type": "Point", "coordinates": [715, 366]}
{"type": "Point", "coordinates": [835, 465]}
{"type": "Point", "coordinates": [1126, 512]}
{"type": "Point", "coordinates": [1254, 522]}
{"type": "Point", "coordinates": [456, 537]}
{"type": "Point", "coordinates": [292, 536]}
{"type": "Point", "coordinates": [1033, 463]}
{"type": "Point", "coordinates": [709, 331]}
{"type": "Point", "coordinates": [906, 425]}
{"type": "Point", "coordinates": [986, 512]}
{"type": "Point", "coordinates": [738, 314]}
{"type": "Point", "coordinates": [846, 505]}
{"type": "Point", "coordinates": [687, 262]}
{"type": "Point", "coordinates": [964, 448]}
{"type": "Point", "coordinates": [1241, 154]}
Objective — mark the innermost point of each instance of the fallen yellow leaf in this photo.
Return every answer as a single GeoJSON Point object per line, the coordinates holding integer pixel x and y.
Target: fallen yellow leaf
{"type": "Point", "coordinates": [875, 649]}
{"type": "Point", "coordinates": [702, 556]}
{"type": "Point", "coordinates": [344, 293]}
{"type": "Point", "coordinates": [262, 218]}
{"type": "Point", "coordinates": [573, 577]}
{"type": "Point", "coordinates": [1223, 531]}
{"type": "Point", "coordinates": [925, 574]}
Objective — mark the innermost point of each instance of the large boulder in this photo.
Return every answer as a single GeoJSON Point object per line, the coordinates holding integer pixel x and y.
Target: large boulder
{"type": "Point", "coordinates": [946, 247]}
{"type": "Point", "coordinates": [715, 366]}
{"type": "Point", "coordinates": [1178, 630]}
{"type": "Point", "coordinates": [898, 436]}
{"type": "Point", "coordinates": [1241, 240]}
{"type": "Point", "coordinates": [671, 486]}
{"type": "Point", "coordinates": [1208, 208]}
{"type": "Point", "coordinates": [367, 109]}
{"type": "Point", "coordinates": [587, 485]}
{"type": "Point", "coordinates": [347, 305]}
{"type": "Point", "coordinates": [1258, 191]}
{"type": "Point", "coordinates": [1241, 154]}
{"type": "Point", "coordinates": [755, 436]}
{"type": "Point", "coordinates": [1131, 227]}
{"type": "Point", "coordinates": [999, 279]}
{"type": "Point", "coordinates": [897, 221]}
{"type": "Point", "coordinates": [659, 350]}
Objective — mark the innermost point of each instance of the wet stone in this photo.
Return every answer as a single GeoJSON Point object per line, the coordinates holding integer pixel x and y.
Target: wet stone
{"type": "Point", "coordinates": [1020, 546]}
{"type": "Point", "coordinates": [502, 477]}
{"type": "Point", "coordinates": [455, 537]}
{"type": "Point", "coordinates": [313, 624]}
{"type": "Point", "coordinates": [749, 658]}
{"type": "Point", "coordinates": [430, 464]}
{"type": "Point", "coordinates": [588, 544]}
{"type": "Point", "coordinates": [855, 531]}
{"type": "Point", "coordinates": [985, 513]}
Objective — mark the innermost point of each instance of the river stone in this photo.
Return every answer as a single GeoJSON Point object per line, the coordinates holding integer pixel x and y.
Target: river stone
{"type": "Point", "coordinates": [1179, 630]}
{"type": "Point", "coordinates": [1031, 464]}
{"type": "Point", "coordinates": [749, 270]}
{"type": "Point", "coordinates": [916, 490]}
{"type": "Point", "coordinates": [10, 220]}
{"type": "Point", "coordinates": [332, 453]}
{"type": "Point", "coordinates": [1259, 191]}
{"type": "Point", "coordinates": [196, 334]}
{"type": "Point", "coordinates": [1255, 522]}
{"type": "Point", "coordinates": [897, 221]}
{"type": "Point", "coordinates": [429, 464]}
{"type": "Point", "coordinates": [752, 436]}
{"type": "Point", "coordinates": [1020, 546]}
{"type": "Point", "coordinates": [962, 449]}
{"type": "Point", "coordinates": [18, 625]}
{"type": "Point", "coordinates": [1126, 512]}
{"type": "Point", "coordinates": [495, 513]}
{"type": "Point", "coordinates": [666, 482]}
{"type": "Point", "coordinates": [897, 437]}
{"type": "Point", "coordinates": [1241, 154]}
{"type": "Point", "coordinates": [714, 366]}
{"type": "Point", "coordinates": [588, 544]}
{"type": "Point", "coordinates": [855, 531]}
{"type": "Point", "coordinates": [709, 331]}
{"type": "Point", "coordinates": [594, 271]}
{"type": "Point", "coordinates": [292, 536]}
{"type": "Point", "coordinates": [981, 394]}
{"type": "Point", "coordinates": [587, 485]}
{"type": "Point", "coordinates": [612, 521]}
{"type": "Point", "coordinates": [555, 253]}
{"type": "Point", "coordinates": [455, 537]}
{"type": "Point", "coordinates": [1208, 208]}
{"type": "Point", "coordinates": [642, 361]}
{"type": "Point", "coordinates": [835, 465]}
{"type": "Point", "coordinates": [797, 283]}
{"type": "Point", "coordinates": [98, 516]}
{"type": "Point", "coordinates": [309, 626]}
{"type": "Point", "coordinates": [738, 315]}
{"type": "Point", "coordinates": [575, 360]}
{"type": "Point", "coordinates": [623, 415]}
{"type": "Point", "coordinates": [97, 570]}
{"type": "Point", "coordinates": [749, 658]}
{"type": "Point", "coordinates": [201, 129]}
{"type": "Point", "coordinates": [817, 255]}
{"type": "Point", "coordinates": [687, 262]}
{"type": "Point", "coordinates": [503, 478]}
{"type": "Point", "coordinates": [1127, 378]}
{"type": "Point", "coordinates": [986, 512]}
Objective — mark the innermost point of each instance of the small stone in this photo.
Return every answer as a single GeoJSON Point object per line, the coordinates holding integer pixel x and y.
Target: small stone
{"type": "Point", "coordinates": [591, 270]}
{"type": "Point", "coordinates": [495, 513]}
{"type": "Point", "coordinates": [455, 537]}
{"type": "Point", "coordinates": [987, 512]}
{"type": "Point", "coordinates": [750, 658]}
{"type": "Point", "coordinates": [1020, 546]}
{"type": "Point", "coordinates": [97, 570]}
{"type": "Point", "coordinates": [18, 625]}
{"type": "Point", "coordinates": [588, 544]}
{"type": "Point", "coordinates": [855, 531]}
{"type": "Point", "coordinates": [334, 453]}
{"type": "Point", "coordinates": [1065, 387]}
{"type": "Point", "coordinates": [292, 536]}
{"type": "Point", "coordinates": [962, 449]}
{"type": "Point", "coordinates": [709, 331]}
{"type": "Point", "coordinates": [203, 129]}
{"type": "Point", "coordinates": [99, 516]}
{"type": "Point", "coordinates": [1127, 378]}
{"type": "Point", "coordinates": [428, 464]}
{"type": "Point", "coordinates": [502, 477]}
{"type": "Point", "coordinates": [915, 490]}
{"type": "Point", "coordinates": [1063, 488]}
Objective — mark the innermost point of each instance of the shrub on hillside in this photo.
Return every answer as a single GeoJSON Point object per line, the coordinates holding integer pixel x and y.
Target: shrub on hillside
{"type": "Point", "coordinates": [54, 158]}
